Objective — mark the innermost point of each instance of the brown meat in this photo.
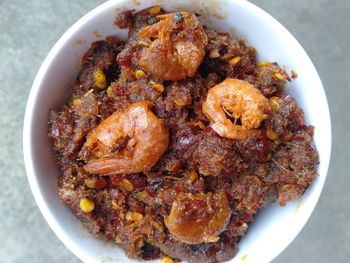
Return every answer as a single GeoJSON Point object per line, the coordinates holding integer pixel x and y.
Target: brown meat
{"type": "Point", "coordinates": [215, 155]}
{"type": "Point", "coordinates": [287, 119]}
{"type": "Point", "coordinates": [277, 164]}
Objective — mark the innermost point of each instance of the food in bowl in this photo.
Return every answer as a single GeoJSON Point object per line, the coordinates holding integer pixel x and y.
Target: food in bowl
{"type": "Point", "coordinates": [173, 139]}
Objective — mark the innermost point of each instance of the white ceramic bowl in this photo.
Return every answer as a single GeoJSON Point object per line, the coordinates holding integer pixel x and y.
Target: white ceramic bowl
{"type": "Point", "coordinates": [274, 227]}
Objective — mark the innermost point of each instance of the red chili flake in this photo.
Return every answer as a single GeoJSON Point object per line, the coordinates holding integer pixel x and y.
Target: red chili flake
{"type": "Point", "coordinates": [100, 183]}
{"type": "Point", "coordinates": [109, 235]}
{"type": "Point", "coordinates": [178, 189]}
{"type": "Point", "coordinates": [234, 174]}
{"type": "Point", "coordinates": [111, 56]}
{"type": "Point", "coordinates": [124, 61]}
{"type": "Point", "coordinates": [138, 55]}
{"type": "Point", "coordinates": [115, 220]}
{"type": "Point", "coordinates": [117, 194]}
{"type": "Point", "coordinates": [212, 251]}
{"type": "Point", "coordinates": [138, 208]}
{"type": "Point", "coordinates": [116, 179]}
{"type": "Point", "coordinates": [164, 210]}
{"type": "Point", "coordinates": [119, 91]}
{"type": "Point", "coordinates": [151, 192]}
{"type": "Point", "coordinates": [175, 167]}
{"type": "Point", "coordinates": [246, 217]}
{"type": "Point", "coordinates": [261, 134]}
{"type": "Point", "coordinates": [198, 204]}
{"type": "Point", "coordinates": [298, 138]}
{"type": "Point", "coordinates": [139, 182]}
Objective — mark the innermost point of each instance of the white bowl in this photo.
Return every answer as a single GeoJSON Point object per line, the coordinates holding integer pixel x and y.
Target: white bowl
{"type": "Point", "coordinates": [274, 227]}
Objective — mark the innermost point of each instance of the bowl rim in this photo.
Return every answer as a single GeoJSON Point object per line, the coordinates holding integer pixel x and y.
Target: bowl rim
{"type": "Point", "coordinates": [34, 92]}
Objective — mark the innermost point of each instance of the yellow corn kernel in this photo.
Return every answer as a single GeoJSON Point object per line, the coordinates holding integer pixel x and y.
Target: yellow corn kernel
{"type": "Point", "coordinates": [88, 143]}
{"type": "Point", "coordinates": [158, 87]}
{"type": "Point", "coordinates": [271, 135]}
{"type": "Point", "coordinates": [90, 183]}
{"type": "Point", "coordinates": [286, 187]}
{"type": "Point", "coordinates": [133, 216]}
{"type": "Point", "coordinates": [288, 136]}
{"type": "Point", "coordinates": [76, 102]}
{"type": "Point", "coordinates": [234, 61]}
{"type": "Point", "coordinates": [100, 79]}
{"type": "Point", "coordinates": [275, 103]}
{"type": "Point", "coordinates": [213, 239]}
{"type": "Point", "coordinates": [192, 176]}
{"type": "Point", "coordinates": [154, 10]}
{"type": "Point", "coordinates": [140, 243]}
{"type": "Point", "coordinates": [167, 259]}
{"type": "Point", "coordinates": [110, 92]}
{"type": "Point", "coordinates": [279, 76]}
{"type": "Point", "coordinates": [144, 43]}
{"type": "Point", "coordinates": [142, 195]}
{"type": "Point", "coordinates": [264, 64]}
{"type": "Point", "coordinates": [115, 205]}
{"type": "Point", "coordinates": [58, 144]}
{"type": "Point", "coordinates": [157, 226]}
{"type": "Point", "coordinates": [128, 216]}
{"type": "Point", "coordinates": [180, 102]}
{"type": "Point", "coordinates": [201, 125]}
{"type": "Point", "coordinates": [294, 74]}
{"type": "Point", "coordinates": [128, 74]}
{"type": "Point", "coordinates": [87, 205]}
{"type": "Point", "coordinates": [136, 217]}
{"type": "Point", "coordinates": [117, 240]}
{"type": "Point", "coordinates": [127, 185]}
{"type": "Point", "coordinates": [139, 74]}
{"type": "Point", "coordinates": [214, 54]}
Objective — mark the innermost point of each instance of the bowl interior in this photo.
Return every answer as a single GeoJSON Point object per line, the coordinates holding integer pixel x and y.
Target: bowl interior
{"type": "Point", "coordinates": [274, 227]}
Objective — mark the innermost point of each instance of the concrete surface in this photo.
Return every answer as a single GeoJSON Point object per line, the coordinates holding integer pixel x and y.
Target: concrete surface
{"type": "Point", "coordinates": [29, 28]}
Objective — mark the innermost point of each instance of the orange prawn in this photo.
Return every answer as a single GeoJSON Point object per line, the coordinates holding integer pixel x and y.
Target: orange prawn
{"type": "Point", "coordinates": [179, 48]}
{"type": "Point", "coordinates": [130, 141]}
{"type": "Point", "coordinates": [198, 218]}
{"type": "Point", "coordinates": [237, 99]}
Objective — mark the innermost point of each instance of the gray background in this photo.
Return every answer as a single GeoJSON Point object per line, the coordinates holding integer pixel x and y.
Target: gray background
{"type": "Point", "coordinates": [29, 28]}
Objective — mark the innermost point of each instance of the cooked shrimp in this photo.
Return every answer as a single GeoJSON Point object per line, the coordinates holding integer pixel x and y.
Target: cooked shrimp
{"type": "Point", "coordinates": [179, 49]}
{"type": "Point", "coordinates": [198, 218]}
{"type": "Point", "coordinates": [237, 99]}
{"type": "Point", "coordinates": [130, 141]}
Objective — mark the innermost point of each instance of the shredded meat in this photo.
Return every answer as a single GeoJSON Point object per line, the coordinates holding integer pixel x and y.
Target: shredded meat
{"type": "Point", "coordinates": [200, 175]}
